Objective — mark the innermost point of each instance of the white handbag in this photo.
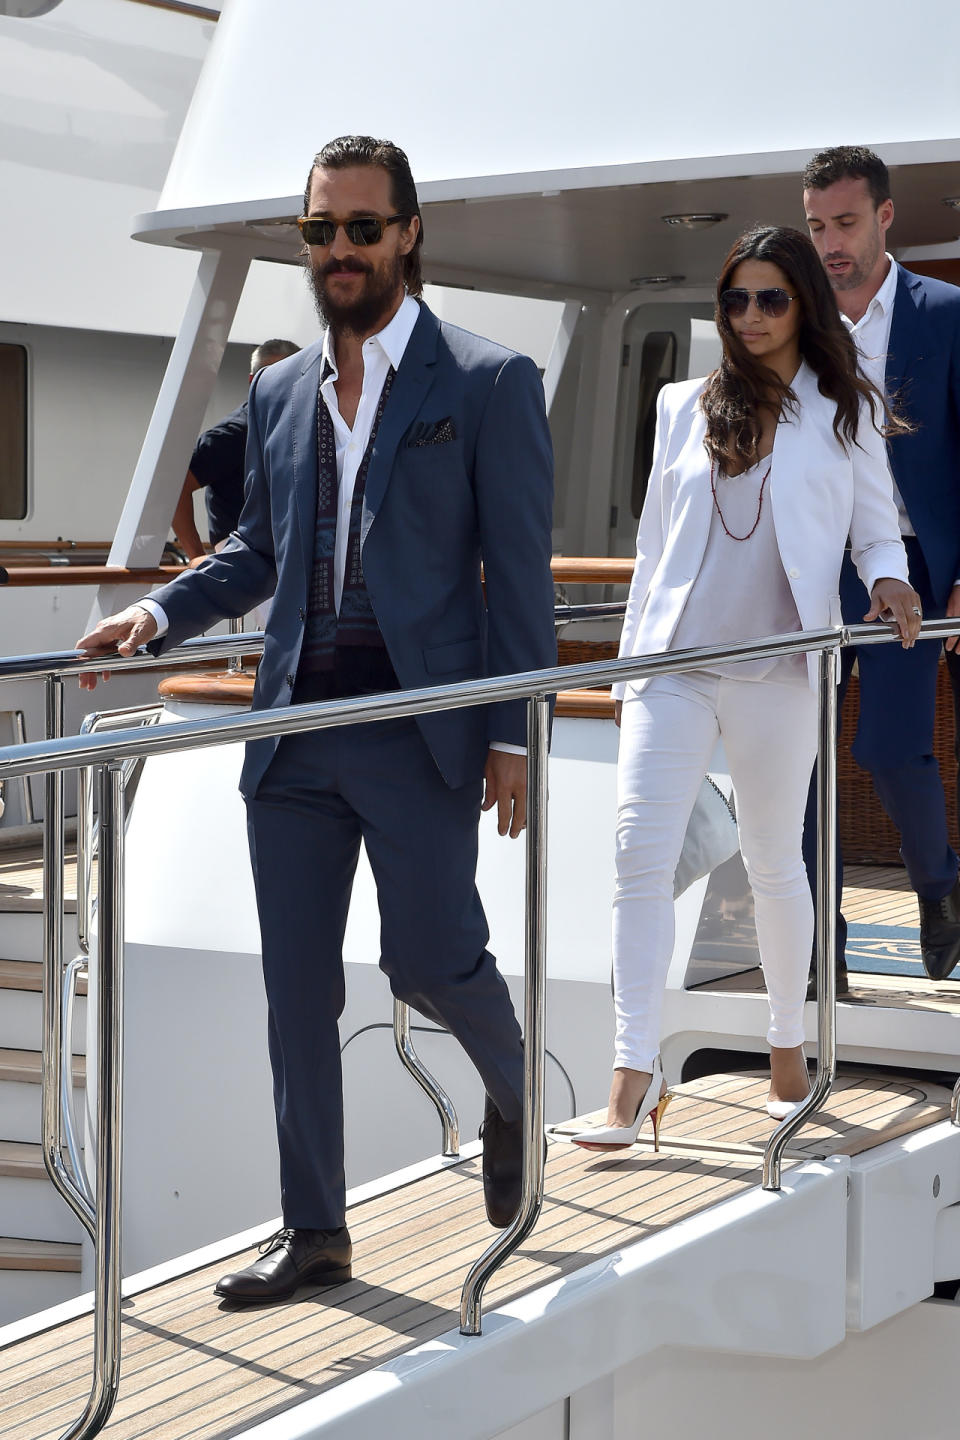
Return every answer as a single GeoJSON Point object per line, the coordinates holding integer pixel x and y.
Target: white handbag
{"type": "Point", "coordinates": [711, 836]}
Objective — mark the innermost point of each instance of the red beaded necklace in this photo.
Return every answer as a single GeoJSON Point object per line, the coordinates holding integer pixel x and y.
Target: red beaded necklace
{"type": "Point", "coordinates": [713, 492]}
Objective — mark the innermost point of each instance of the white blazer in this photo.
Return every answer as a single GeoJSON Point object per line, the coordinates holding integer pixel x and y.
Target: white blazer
{"type": "Point", "coordinates": [819, 495]}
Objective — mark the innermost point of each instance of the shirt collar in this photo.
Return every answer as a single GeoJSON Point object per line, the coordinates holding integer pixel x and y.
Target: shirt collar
{"type": "Point", "coordinates": [392, 339]}
{"type": "Point", "coordinates": [885, 296]}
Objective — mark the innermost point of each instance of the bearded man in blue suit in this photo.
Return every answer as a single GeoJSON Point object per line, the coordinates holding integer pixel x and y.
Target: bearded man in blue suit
{"type": "Point", "coordinates": [384, 462]}
{"type": "Point", "coordinates": [907, 329]}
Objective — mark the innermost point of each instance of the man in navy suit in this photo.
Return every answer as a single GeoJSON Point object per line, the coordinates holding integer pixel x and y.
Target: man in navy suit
{"type": "Point", "coordinates": [907, 329]}
{"type": "Point", "coordinates": [384, 462]}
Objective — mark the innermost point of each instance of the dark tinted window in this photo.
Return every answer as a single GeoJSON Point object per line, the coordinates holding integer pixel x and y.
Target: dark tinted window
{"type": "Point", "coordinates": [658, 366]}
{"type": "Point", "coordinates": [13, 432]}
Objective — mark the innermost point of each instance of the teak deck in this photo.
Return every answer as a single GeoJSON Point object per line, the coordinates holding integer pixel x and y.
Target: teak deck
{"type": "Point", "coordinates": [192, 1367]}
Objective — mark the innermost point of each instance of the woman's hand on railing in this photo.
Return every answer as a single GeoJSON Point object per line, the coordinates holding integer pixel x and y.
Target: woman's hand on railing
{"type": "Point", "coordinates": [897, 603]}
{"type": "Point", "coordinates": [124, 632]}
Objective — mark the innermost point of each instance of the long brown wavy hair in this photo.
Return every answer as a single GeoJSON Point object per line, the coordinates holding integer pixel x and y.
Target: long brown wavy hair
{"type": "Point", "coordinates": [742, 387]}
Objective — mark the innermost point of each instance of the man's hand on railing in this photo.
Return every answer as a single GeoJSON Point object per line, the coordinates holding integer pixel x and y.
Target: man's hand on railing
{"type": "Point", "coordinates": [505, 785]}
{"type": "Point", "coordinates": [124, 632]}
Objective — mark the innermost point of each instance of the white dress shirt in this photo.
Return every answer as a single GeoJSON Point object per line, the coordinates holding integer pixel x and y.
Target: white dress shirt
{"type": "Point", "coordinates": [380, 351]}
{"type": "Point", "coordinates": [872, 336]}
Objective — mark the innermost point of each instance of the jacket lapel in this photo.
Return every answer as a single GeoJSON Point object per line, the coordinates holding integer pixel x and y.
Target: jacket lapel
{"type": "Point", "coordinates": [906, 333]}
{"type": "Point", "coordinates": [303, 414]}
{"type": "Point", "coordinates": [411, 384]}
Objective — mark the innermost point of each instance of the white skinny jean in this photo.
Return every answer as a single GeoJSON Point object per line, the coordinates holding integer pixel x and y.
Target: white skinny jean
{"type": "Point", "coordinates": [667, 737]}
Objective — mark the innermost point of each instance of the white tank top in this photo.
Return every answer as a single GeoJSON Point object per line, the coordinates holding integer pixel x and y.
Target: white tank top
{"type": "Point", "coordinates": [741, 591]}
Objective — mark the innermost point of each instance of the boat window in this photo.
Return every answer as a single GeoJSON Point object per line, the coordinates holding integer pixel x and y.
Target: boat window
{"type": "Point", "coordinates": [13, 432]}
{"type": "Point", "coordinates": [658, 366]}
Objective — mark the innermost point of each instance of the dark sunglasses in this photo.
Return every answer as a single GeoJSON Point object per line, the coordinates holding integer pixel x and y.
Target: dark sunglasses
{"type": "Point", "coordinates": [774, 302]}
{"type": "Point", "coordinates": [367, 230]}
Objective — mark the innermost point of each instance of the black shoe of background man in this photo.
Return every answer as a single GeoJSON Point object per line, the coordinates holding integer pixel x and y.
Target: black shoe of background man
{"type": "Point", "coordinates": [843, 983]}
{"type": "Point", "coordinates": [291, 1258]}
{"type": "Point", "coordinates": [940, 933]}
{"type": "Point", "coordinates": [502, 1165]}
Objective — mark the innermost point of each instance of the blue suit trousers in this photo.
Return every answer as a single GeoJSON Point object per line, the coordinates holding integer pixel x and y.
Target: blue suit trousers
{"type": "Point", "coordinates": [894, 742]}
{"type": "Point", "coordinates": [321, 795]}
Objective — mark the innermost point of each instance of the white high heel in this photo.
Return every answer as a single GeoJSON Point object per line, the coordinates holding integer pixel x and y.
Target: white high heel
{"type": "Point", "coordinates": [621, 1137]}
{"type": "Point", "coordinates": [780, 1109]}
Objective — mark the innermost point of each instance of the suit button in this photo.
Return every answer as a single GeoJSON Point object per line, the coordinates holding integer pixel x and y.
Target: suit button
{"type": "Point", "coordinates": [302, 613]}
{"type": "Point", "coordinates": [793, 573]}
{"type": "Point", "coordinates": [290, 680]}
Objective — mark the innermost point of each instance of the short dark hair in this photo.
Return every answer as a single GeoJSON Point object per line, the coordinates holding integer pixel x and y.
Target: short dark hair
{"type": "Point", "coordinates": [269, 351]}
{"type": "Point", "coordinates": [349, 150]}
{"type": "Point", "coordinates": [849, 162]}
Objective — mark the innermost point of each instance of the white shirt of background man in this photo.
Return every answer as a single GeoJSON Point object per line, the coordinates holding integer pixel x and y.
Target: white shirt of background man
{"type": "Point", "coordinates": [872, 336]}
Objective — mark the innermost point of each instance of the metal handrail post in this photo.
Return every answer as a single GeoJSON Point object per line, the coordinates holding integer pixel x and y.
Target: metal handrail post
{"type": "Point", "coordinates": [71, 974]}
{"type": "Point", "coordinates": [20, 738]}
{"type": "Point", "coordinates": [955, 1105]}
{"type": "Point", "coordinates": [428, 1083]}
{"type": "Point", "coordinates": [534, 1024]}
{"type": "Point", "coordinates": [106, 1295]}
{"type": "Point", "coordinates": [826, 923]}
{"type": "Point", "coordinates": [84, 857]}
{"type": "Point", "coordinates": [52, 1023]}
{"type": "Point", "coordinates": [235, 662]}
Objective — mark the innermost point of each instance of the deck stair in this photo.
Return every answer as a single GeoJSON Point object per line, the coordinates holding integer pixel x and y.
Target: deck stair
{"type": "Point", "coordinates": [40, 1260]}
{"type": "Point", "coordinates": [202, 1369]}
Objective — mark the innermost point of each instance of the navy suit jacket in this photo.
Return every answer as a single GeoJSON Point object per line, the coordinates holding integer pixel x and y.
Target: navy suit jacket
{"type": "Point", "coordinates": [923, 372]}
{"type": "Point", "coordinates": [431, 512]}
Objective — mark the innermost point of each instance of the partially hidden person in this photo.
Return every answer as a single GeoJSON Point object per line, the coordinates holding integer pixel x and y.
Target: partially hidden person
{"type": "Point", "coordinates": [907, 330]}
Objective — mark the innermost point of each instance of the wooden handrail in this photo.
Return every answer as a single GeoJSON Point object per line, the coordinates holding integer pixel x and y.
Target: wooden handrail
{"type": "Point", "coordinates": [601, 570]}
{"type": "Point", "coordinates": [30, 575]}
{"type": "Point", "coordinates": [225, 688]}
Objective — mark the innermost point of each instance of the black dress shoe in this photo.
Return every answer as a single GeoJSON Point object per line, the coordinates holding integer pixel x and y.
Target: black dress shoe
{"type": "Point", "coordinates": [502, 1165]}
{"type": "Point", "coordinates": [940, 933]}
{"type": "Point", "coordinates": [291, 1258]}
{"type": "Point", "coordinates": [843, 983]}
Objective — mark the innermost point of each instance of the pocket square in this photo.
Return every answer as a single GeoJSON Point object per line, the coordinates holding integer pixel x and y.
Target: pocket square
{"type": "Point", "coordinates": [432, 432]}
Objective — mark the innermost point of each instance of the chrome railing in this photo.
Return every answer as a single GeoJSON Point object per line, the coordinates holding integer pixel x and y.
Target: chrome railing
{"type": "Point", "coordinates": [428, 1084]}
{"type": "Point", "coordinates": [77, 969]}
{"type": "Point", "coordinates": [108, 753]}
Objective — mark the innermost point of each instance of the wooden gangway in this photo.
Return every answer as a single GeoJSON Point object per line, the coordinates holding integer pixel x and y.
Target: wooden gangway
{"type": "Point", "coordinates": [195, 1368]}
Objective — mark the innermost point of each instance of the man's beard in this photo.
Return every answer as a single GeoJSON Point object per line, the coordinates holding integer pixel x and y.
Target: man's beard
{"type": "Point", "coordinates": [860, 268]}
{"type": "Point", "coordinates": [363, 315]}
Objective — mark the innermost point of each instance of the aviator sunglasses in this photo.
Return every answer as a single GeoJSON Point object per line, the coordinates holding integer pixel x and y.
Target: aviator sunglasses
{"type": "Point", "coordinates": [366, 230]}
{"type": "Point", "coordinates": [774, 302]}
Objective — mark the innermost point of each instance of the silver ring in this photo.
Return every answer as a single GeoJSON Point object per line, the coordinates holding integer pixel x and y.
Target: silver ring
{"type": "Point", "coordinates": [918, 611]}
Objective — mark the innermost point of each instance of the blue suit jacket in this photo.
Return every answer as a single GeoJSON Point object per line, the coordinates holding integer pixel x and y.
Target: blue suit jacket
{"type": "Point", "coordinates": [430, 513]}
{"type": "Point", "coordinates": [923, 371]}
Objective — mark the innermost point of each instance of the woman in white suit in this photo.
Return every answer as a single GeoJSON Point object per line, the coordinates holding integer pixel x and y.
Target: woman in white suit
{"type": "Point", "coordinates": [760, 473]}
